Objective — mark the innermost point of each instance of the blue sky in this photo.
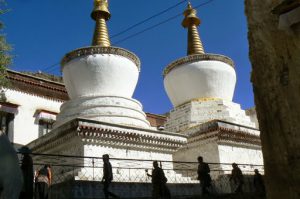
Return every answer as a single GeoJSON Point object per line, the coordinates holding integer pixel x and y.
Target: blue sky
{"type": "Point", "coordinates": [42, 31]}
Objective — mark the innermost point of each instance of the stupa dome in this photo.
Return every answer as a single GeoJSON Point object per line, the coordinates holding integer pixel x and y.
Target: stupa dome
{"type": "Point", "coordinates": [199, 75]}
{"type": "Point", "coordinates": [100, 71]}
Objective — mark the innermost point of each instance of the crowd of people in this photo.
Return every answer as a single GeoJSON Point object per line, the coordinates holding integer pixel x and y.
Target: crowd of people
{"type": "Point", "coordinates": [236, 178]}
{"type": "Point", "coordinates": [42, 179]}
{"type": "Point", "coordinates": [159, 180]}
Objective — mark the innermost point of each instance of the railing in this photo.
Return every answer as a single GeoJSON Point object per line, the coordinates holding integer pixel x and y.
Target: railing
{"type": "Point", "coordinates": [90, 169]}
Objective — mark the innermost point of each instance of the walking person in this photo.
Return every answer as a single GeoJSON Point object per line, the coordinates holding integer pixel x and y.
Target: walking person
{"type": "Point", "coordinates": [27, 170]}
{"type": "Point", "coordinates": [204, 176]}
{"type": "Point", "coordinates": [107, 177]}
{"type": "Point", "coordinates": [237, 178]}
{"type": "Point", "coordinates": [43, 180]}
{"type": "Point", "coordinates": [159, 180]}
{"type": "Point", "coordinates": [258, 183]}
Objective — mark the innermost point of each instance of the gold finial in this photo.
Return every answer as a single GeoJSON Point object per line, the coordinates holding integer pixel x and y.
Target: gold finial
{"type": "Point", "coordinates": [191, 21]}
{"type": "Point", "coordinates": [101, 14]}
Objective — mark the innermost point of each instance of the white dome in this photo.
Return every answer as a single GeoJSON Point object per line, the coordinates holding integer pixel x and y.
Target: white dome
{"type": "Point", "coordinates": [100, 82]}
{"type": "Point", "coordinates": [98, 71]}
{"type": "Point", "coordinates": [200, 76]}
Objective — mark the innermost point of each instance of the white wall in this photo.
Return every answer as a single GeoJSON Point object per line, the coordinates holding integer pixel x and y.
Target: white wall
{"type": "Point", "coordinates": [25, 124]}
{"type": "Point", "coordinates": [240, 155]}
{"type": "Point", "coordinates": [208, 150]}
{"type": "Point", "coordinates": [126, 152]}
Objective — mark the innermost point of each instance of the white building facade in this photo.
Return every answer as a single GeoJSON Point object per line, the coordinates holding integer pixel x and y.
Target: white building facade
{"type": "Point", "coordinates": [32, 103]}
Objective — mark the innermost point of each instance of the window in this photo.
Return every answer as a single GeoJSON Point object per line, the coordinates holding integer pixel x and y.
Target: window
{"type": "Point", "coordinates": [7, 115]}
{"type": "Point", "coordinates": [46, 120]}
{"type": "Point", "coordinates": [45, 127]}
{"type": "Point", "coordinates": [6, 120]}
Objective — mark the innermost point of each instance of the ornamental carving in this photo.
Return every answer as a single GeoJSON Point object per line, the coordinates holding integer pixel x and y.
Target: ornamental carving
{"type": "Point", "coordinates": [198, 57]}
{"type": "Point", "coordinates": [108, 135]}
{"type": "Point", "coordinates": [92, 50]}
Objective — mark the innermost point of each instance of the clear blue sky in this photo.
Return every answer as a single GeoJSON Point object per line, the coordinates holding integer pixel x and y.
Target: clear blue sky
{"type": "Point", "coordinates": [42, 31]}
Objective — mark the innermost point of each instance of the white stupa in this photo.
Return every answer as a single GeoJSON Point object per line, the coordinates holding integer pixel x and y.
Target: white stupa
{"type": "Point", "coordinates": [101, 117]}
{"type": "Point", "coordinates": [201, 85]}
{"type": "Point", "coordinates": [201, 88]}
{"type": "Point", "coordinates": [100, 80]}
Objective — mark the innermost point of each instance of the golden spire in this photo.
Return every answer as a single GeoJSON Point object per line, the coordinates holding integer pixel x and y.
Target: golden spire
{"type": "Point", "coordinates": [191, 21]}
{"type": "Point", "coordinates": [101, 14]}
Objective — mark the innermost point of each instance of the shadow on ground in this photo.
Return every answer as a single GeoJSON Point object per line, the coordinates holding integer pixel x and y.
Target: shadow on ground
{"type": "Point", "coordinates": [229, 196]}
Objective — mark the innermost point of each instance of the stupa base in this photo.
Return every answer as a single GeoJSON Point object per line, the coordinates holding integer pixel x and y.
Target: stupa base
{"type": "Point", "coordinates": [111, 109]}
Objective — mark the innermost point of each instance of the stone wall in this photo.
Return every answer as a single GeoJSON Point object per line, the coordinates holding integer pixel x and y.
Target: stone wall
{"type": "Point", "coordinates": [197, 112]}
{"type": "Point", "coordinates": [275, 58]}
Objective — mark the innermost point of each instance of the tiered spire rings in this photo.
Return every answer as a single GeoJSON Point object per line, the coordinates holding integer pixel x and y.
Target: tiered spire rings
{"type": "Point", "coordinates": [101, 14]}
{"type": "Point", "coordinates": [191, 21]}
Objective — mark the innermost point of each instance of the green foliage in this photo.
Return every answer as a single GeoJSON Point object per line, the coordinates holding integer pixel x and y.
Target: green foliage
{"type": "Point", "coordinates": [5, 57]}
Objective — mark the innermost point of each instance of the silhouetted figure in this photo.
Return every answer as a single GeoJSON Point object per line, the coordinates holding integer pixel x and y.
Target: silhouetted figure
{"type": "Point", "coordinates": [11, 177]}
{"type": "Point", "coordinates": [107, 177]}
{"type": "Point", "coordinates": [43, 180]}
{"type": "Point", "coordinates": [238, 178]}
{"type": "Point", "coordinates": [258, 183]}
{"type": "Point", "coordinates": [203, 175]}
{"type": "Point", "coordinates": [27, 170]}
{"type": "Point", "coordinates": [159, 180]}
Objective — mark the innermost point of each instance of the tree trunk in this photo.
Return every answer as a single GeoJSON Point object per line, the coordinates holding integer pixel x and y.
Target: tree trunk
{"type": "Point", "coordinates": [275, 58]}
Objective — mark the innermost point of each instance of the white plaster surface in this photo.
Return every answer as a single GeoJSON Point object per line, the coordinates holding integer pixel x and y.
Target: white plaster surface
{"type": "Point", "coordinates": [208, 150]}
{"type": "Point", "coordinates": [241, 155]}
{"type": "Point", "coordinates": [129, 171]}
{"type": "Point", "coordinates": [100, 74]}
{"type": "Point", "coordinates": [25, 125]}
{"type": "Point", "coordinates": [201, 79]}
{"type": "Point", "coordinates": [127, 153]}
{"type": "Point", "coordinates": [112, 109]}
{"type": "Point", "coordinates": [226, 153]}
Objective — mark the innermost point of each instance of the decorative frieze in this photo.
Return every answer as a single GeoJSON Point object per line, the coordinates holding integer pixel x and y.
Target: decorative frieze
{"type": "Point", "coordinates": [198, 57]}
{"type": "Point", "coordinates": [134, 140]}
{"type": "Point", "coordinates": [92, 50]}
{"type": "Point", "coordinates": [224, 132]}
{"type": "Point", "coordinates": [36, 86]}
{"type": "Point", "coordinates": [91, 132]}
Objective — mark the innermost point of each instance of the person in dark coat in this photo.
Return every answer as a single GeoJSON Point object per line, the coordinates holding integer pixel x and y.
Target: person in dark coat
{"type": "Point", "coordinates": [258, 183]}
{"type": "Point", "coordinates": [159, 180]}
{"type": "Point", "coordinates": [43, 181]}
{"type": "Point", "coordinates": [237, 178]}
{"type": "Point", "coordinates": [107, 177]}
{"type": "Point", "coordinates": [27, 170]}
{"type": "Point", "coordinates": [203, 175]}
